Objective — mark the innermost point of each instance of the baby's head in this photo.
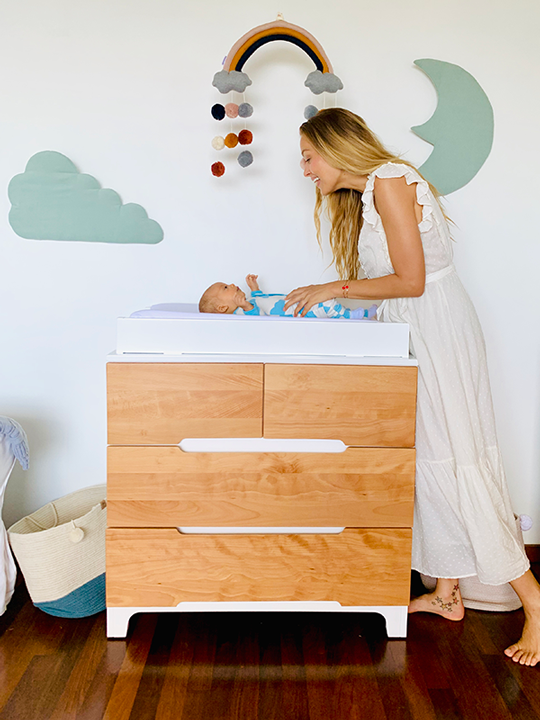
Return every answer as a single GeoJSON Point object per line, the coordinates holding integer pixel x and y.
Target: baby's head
{"type": "Point", "coordinates": [221, 298]}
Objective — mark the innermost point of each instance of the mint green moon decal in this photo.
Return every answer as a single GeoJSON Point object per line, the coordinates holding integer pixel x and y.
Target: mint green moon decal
{"type": "Point", "coordinates": [52, 200]}
{"type": "Point", "coordinates": [460, 129]}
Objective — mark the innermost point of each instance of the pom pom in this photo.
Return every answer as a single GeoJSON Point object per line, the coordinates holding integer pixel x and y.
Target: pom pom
{"type": "Point", "coordinates": [218, 143]}
{"type": "Point", "coordinates": [245, 110]}
{"type": "Point", "coordinates": [245, 137]}
{"type": "Point", "coordinates": [218, 111]}
{"type": "Point", "coordinates": [526, 522]}
{"type": "Point", "coordinates": [231, 110]}
{"type": "Point", "coordinates": [310, 111]}
{"type": "Point", "coordinates": [218, 169]}
{"type": "Point", "coordinates": [76, 535]}
{"type": "Point", "coordinates": [245, 158]}
{"type": "Point", "coordinates": [231, 140]}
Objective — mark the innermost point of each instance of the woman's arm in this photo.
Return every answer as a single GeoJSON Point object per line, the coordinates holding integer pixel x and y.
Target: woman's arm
{"type": "Point", "coordinates": [400, 213]}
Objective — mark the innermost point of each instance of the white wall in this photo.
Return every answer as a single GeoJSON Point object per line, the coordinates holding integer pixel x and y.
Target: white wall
{"type": "Point", "coordinates": [124, 90]}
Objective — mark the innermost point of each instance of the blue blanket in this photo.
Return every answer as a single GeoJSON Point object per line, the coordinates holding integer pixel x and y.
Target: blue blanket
{"type": "Point", "coordinates": [16, 437]}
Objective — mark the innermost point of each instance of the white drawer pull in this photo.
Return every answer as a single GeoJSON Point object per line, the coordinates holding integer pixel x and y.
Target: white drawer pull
{"type": "Point", "coordinates": [260, 445]}
{"type": "Point", "coordinates": [260, 530]}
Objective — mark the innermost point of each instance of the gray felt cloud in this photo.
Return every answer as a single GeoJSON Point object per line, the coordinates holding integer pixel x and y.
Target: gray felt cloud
{"type": "Point", "coordinates": [319, 82]}
{"type": "Point", "coordinates": [226, 81]}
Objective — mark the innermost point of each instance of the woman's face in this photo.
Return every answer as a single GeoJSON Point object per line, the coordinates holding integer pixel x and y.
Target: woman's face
{"type": "Point", "coordinates": [315, 167]}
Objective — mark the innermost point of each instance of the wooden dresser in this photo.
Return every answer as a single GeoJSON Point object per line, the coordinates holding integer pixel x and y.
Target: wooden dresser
{"type": "Point", "coordinates": [263, 519]}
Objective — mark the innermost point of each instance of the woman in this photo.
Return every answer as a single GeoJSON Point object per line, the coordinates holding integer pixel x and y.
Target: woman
{"type": "Point", "coordinates": [386, 218]}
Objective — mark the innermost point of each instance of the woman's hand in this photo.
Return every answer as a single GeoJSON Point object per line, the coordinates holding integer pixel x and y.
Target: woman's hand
{"type": "Point", "coordinates": [310, 295]}
{"type": "Point", "coordinates": [252, 283]}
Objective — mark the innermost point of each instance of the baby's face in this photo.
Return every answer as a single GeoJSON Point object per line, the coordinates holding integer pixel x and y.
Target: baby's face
{"type": "Point", "coordinates": [229, 295]}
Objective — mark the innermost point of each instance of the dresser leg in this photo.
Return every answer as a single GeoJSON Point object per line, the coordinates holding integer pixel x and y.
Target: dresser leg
{"type": "Point", "coordinates": [396, 620]}
{"type": "Point", "coordinates": [118, 621]}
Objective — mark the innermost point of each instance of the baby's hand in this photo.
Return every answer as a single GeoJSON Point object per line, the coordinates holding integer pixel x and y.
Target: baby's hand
{"type": "Point", "coordinates": [252, 283]}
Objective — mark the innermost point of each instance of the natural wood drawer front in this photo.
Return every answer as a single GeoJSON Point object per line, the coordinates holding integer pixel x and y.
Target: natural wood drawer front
{"type": "Point", "coordinates": [166, 487]}
{"type": "Point", "coordinates": [360, 405]}
{"type": "Point", "coordinates": [163, 568]}
{"type": "Point", "coordinates": [162, 403]}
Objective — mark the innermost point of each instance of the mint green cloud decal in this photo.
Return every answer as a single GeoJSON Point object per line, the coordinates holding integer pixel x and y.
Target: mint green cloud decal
{"type": "Point", "coordinates": [460, 129]}
{"type": "Point", "coordinates": [52, 200]}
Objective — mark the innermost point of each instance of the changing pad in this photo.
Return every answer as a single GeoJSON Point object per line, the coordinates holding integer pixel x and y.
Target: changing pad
{"type": "Point", "coordinates": [179, 328]}
{"type": "Point", "coordinates": [168, 311]}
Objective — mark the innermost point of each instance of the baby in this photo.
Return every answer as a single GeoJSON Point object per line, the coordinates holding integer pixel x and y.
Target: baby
{"type": "Point", "coordinates": [223, 298]}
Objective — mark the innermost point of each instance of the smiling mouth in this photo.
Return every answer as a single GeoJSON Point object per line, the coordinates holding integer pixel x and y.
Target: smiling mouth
{"type": "Point", "coordinates": [315, 179]}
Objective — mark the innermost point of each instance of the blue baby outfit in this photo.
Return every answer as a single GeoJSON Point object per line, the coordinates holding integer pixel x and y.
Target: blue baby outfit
{"type": "Point", "coordinates": [273, 304]}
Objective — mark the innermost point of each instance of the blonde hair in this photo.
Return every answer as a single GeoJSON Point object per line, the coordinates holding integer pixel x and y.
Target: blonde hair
{"type": "Point", "coordinates": [344, 140]}
{"type": "Point", "coordinates": [209, 302]}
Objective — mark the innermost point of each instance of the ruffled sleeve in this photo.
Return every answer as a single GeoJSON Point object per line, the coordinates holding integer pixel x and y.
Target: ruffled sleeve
{"type": "Point", "coordinates": [423, 195]}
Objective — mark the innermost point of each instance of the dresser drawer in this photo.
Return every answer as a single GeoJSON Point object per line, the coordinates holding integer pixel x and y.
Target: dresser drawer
{"type": "Point", "coordinates": [162, 567]}
{"type": "Point", "coordinates": [360, 405]}
{"type": "Point", "coordinates": [166, 487]}
{"type": "Point", "coordinates": [162, 403]}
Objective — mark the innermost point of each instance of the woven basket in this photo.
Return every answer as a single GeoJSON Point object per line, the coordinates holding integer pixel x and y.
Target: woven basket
{"type": "Point", "coordinates": [60, 549]}
{"type": "Point", "coordinates": [477, 596]}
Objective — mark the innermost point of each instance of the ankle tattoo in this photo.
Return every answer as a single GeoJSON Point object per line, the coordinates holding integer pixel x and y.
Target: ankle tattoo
{"type": "Point", "coordinates": [447, 606]}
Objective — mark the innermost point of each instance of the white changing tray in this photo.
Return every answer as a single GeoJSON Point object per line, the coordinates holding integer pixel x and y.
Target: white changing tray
{"type": "Point", "coordinates": [179, 329]}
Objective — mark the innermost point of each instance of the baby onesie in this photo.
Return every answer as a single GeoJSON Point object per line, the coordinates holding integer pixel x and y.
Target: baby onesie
{"type": "Point", "coordinates": [273, 304]}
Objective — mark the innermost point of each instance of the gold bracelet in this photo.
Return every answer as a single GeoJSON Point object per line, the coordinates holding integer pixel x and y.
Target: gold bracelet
{"type": "Point", "coordinates": [345, 289]}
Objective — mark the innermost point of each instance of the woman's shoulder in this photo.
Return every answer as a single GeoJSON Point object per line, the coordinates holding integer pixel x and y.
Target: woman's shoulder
{"type": "Point", "coordinates": [387, 171]}
{"type": "Point", "coordinates": [422, 192]}
{"type": "Point", "coordinates": [395, 170]}
{"type": "Point", "coordinates": [416, 184]}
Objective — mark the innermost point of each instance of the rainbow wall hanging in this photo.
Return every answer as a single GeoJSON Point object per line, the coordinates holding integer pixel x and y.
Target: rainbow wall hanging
{"type": "Point", "coordinates": [232, 79]}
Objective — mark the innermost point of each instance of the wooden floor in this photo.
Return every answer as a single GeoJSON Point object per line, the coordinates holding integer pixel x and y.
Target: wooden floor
{"type": "Point", "coordinates": [261, 666]}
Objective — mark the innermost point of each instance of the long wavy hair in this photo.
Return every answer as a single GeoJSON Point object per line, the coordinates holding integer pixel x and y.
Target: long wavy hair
{"type": "Point", "coordinates": [344, 140]}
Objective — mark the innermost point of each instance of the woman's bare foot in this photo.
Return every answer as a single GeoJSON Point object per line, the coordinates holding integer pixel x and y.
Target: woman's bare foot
{"type": "Point", "coordinates": [527, 650]}
{"type": "Point", "coordinates": [444, 601]}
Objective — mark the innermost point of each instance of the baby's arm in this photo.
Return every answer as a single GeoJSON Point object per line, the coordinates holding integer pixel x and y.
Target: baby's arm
{"type": "Point", "coordinates": [252, 283]}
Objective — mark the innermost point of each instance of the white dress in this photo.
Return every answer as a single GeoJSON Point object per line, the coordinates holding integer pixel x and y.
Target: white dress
{"type": "Point", "coordinates": [463, 524]}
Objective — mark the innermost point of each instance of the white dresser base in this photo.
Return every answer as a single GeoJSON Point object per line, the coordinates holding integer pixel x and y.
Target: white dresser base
{"type": "Point", "coordinates": [396, 616]}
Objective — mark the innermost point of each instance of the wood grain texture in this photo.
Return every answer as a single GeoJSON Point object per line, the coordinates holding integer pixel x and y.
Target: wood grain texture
{"type": "Point", "coordinates": [161, 567]}
{"type": "Point", "coordinates": [360, 405]}
{"type": "Point", "coordinates": [166, 487]}
{"type": "Point", "coordinates": [162, 403]}
{"type": "Point", "coordinates": [261, 666]}
{"type": "Point", "coordinates": [124, 692]}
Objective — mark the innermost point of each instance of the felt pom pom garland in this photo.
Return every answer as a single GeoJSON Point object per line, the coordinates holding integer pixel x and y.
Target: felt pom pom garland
{"type": "Point", "coordinates": [232, 111]}
{"type": "Point", "coordinates": [233, 80]}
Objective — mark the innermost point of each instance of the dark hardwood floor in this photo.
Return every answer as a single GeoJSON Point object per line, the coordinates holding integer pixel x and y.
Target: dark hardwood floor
{"type": "Point", "coordinates": [261, 666]}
